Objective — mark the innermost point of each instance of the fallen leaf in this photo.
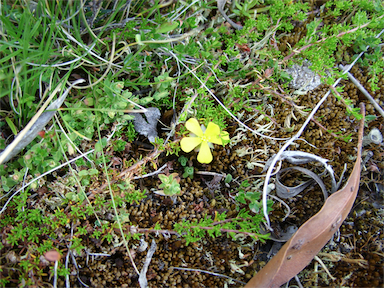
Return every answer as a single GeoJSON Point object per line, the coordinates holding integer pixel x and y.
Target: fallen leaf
{"type": "Point", "coordinates": [311, 237]}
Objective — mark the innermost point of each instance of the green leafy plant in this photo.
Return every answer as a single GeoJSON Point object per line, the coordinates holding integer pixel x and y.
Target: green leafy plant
{"type": "Point", "coordinates": [247, 8]}
{"type": "Point", "coordinates": [130, 195]}
{"type": "Point", "coordinates": [244, 223]}
{"type": "Point", "coordinates": [183, 160]}
{"type": "Point", "coordinates": [188, 172]}
{"type": "Point", "coordinates": [169, 184]}
{"type": "Point", "coordinates": [251, 198]}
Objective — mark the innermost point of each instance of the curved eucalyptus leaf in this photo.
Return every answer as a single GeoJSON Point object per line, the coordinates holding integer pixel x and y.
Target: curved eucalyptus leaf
{"type": "Point", "coordinates": [299, 157]}
{"type": "Point", "coordinates": [288, 192]}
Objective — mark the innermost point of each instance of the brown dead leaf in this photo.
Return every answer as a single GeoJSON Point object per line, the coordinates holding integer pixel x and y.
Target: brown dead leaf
{"type": "Point", "coordinates": [311, 237]}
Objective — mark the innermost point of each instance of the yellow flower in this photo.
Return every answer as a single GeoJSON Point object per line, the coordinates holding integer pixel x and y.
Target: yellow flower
{"type": "Point", "coordinates": [202, 139]}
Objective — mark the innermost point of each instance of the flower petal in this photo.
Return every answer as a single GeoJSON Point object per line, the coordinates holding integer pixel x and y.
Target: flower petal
{"type": "Point", "coordinates": [216, 140]}
{"type": "Point", "coordinates": [224, 135]}
{"type": "Point", "coordinates": [193, 125]}
{"type": "Point", "coordinates": [213, 131]}
{"type": "Point", "coordinates": [187, 144]}
{"type": "Point", "coordinates": [215, 135]}
{"type": "Point", "coordinates": [205, 155]}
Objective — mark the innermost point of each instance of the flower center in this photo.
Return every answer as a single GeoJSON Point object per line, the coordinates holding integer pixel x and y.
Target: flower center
{"type": "Point", "coordinates": [204, 138]}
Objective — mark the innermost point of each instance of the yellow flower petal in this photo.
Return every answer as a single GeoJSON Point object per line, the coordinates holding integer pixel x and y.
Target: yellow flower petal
{"type": "Point", "coordinates": [187, 144]}
{"type": "Point", "coordinates": [224, 135]}
{"type": "Point", "coordinates": [214, 135]}
{"type": "Point", "coordinates": [205, 155]}
{"type": "Point", "coordinates": [216, 140]}
{"type": "Point", "coordinates": [193, 125]}
{"type": "Point", "coordinates": [213, 131]}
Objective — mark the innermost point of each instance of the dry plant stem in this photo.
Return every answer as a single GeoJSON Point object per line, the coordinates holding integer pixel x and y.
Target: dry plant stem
{"type": "Point", "coordinates": [78, 58]}
{"type": "Point", "coordinates": [137, 165]}
{"type": "Point", "coordinates": [151, 174]}
{"type": "Point", "coordinates": [220, 7]}
{"type": "Point", "coordinates": [186, 107]}
{"type": "Point", "coordinates": [315, 233]}
{"type": "Point", "coordinates": [210, 173]}
{"type": "Point", "coordinates": [14, 68]}
{"type": "Point", "coordinates": [67, 284]}
{"type": "Point", "coordinates": [73, 257]}
{"type": "Point", "coordinates": [20, 136]}
{"type": "Point", "coordinates": [365, 92]}
{"type": "Point", "coordinates": [55, 274]}
{"type": "Point", "coordinates": [322, 127]}
{"type": "Point", "coordinates": [71, 142]}
{"type": "Point", "coordinates": [115, 209]}
{"type": "Point", "coordinates": [298, 282]}
{"type": "Point", "coordinates": [181, 11]}
{"type": "Point", "coordinates": [338, 94]}
{"type": "Point", "coordinates": [81, 188]}
{"type": "Point", "coordinates": [282, 97]}
{"type": "Point", "coordinates": [322, 40]}
{"type": "Point", "coordinates": [127, 173]}
{"type": "Point", "coordinates": [208, 272]}
{"type": "Point", "coordinates": [70, 37]}
{"type": "Point", "coordinates": [284, 204]}
{"type": "Point", "coordinates": [285, 146]}
{"type": "Point", "coordinates": [324, 267]}
{"type": "Point", "coordinates": [341, 257]}
{"type": "Point", "coordinates": [265, 115]}
{"type": "Point", "coordinates": [86, 22]}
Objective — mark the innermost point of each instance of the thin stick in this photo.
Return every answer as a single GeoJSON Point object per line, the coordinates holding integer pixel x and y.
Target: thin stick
{"type": "Point", "coordinates": [285, 146]}
{"type": "Point", "coordinates": [208, 272]}
{"type": "Point", "coordinates": [152, 173]}
{"type": "Point", "coordinates": [364, 91]}
{"type": "Point", "coordinates": [113, 199]}
{"type": "Point", "coordinates": [324, 267]}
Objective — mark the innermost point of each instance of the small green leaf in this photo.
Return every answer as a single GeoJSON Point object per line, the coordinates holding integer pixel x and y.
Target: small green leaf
{"type": "Point", "coordinates": [138, 39]}
{"type": "Point", "coordinates": [228, 178]}
{"type": "Point", "coordinates": [11, 126]}
{"type": "Point", "coordinates": [159, 95]}
{"type": "Point", "coordinates": [167, 27]}
{"type": "Point", "coordinates": [370, 117]}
